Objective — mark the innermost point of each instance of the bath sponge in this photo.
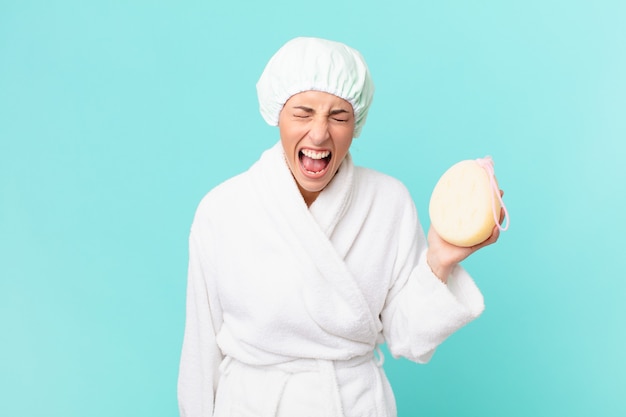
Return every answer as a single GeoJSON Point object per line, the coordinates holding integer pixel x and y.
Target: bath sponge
{"type": "Point", "coordinates": [465, 204]}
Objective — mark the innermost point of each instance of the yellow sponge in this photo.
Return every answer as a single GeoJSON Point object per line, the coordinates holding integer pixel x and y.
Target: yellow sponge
{"type": "Point", "coordinates": [465, 203]}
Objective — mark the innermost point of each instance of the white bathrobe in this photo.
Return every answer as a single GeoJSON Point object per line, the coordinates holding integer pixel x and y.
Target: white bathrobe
{"type": "Point", "coordinates": [287, 304]}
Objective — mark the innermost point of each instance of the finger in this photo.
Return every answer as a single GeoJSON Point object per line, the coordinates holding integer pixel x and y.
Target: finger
{"type": "Point", "coordinates": [495, 234]}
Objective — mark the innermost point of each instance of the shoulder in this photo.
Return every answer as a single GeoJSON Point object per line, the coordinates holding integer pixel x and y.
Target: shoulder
{"type": "Point", "coordinates": [224, 198]}
{"type": "Point", "coordinates": [387, 203]}
{"type": "Point", "coordinates": [236, 191]}
{"type": "Point", "coordinates": [381, 186]}
{"type": "Point", "coordinates": [388, 196]}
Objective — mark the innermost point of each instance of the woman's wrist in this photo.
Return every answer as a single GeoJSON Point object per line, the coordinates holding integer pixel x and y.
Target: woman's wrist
{"type": "Point", "coordinates": [441, 270]}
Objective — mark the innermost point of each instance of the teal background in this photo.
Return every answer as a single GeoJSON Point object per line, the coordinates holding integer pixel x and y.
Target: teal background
{"type": "Point", "coordinates": [116, 117]}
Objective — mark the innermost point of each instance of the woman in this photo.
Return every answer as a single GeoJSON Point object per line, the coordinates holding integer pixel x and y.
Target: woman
{"type": "Point", "coordinates": [300, 267]}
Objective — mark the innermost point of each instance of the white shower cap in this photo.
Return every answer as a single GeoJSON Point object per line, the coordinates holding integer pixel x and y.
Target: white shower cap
{"type": "Point", "coordinates": [304, 64]}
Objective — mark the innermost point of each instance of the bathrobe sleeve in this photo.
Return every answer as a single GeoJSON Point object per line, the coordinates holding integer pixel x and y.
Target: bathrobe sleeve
{"type": "Point", "coordinates": [201, 357]}
{"type": "Point", "coordinates": [421, 311]}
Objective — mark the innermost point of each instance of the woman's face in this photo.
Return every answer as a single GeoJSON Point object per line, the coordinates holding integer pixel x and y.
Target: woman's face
{"type": "Point", "coordinates": [316, 131]}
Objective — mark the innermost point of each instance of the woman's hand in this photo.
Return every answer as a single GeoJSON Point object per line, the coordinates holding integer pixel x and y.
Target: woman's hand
{"type": "Point", "coordinates": [442, 256]}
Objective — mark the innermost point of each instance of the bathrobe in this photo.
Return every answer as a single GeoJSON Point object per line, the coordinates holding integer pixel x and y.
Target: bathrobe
{"type": "Point", "coordinates": [287, 304]}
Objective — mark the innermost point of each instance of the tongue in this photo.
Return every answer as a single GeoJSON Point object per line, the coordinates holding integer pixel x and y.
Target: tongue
{"type": "Point", "coordinates": [313, 165]}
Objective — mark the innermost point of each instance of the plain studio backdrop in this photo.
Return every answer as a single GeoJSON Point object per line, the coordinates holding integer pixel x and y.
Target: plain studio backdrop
{"type": "Point", "coordinates": [116, 117]}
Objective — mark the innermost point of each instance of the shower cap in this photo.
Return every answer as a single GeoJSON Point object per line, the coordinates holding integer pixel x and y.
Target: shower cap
{"type": "Point", "coordinates": [304, 64]}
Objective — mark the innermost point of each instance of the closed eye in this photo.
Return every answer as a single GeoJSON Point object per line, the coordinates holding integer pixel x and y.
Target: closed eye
{"type": "Point", "coordinates": [340, 115]}
{"type": "Point", "coordinates": [302, 112]}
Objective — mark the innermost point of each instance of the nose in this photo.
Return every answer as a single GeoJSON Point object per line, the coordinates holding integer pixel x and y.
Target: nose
{"type": "Point", "coordinates": [319, 131]}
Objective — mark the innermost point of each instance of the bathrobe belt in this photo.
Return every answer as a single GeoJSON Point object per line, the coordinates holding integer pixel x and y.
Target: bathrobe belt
{"type": "Point", "coordinates": [327, 368]}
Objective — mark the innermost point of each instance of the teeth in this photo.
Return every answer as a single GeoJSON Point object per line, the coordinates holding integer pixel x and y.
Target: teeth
{"type": "Point", "coordinates": [315, 154]}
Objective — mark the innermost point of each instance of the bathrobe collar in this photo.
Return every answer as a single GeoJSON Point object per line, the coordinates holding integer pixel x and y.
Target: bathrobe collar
{"type": "Point", "coordinates": [326, 279]}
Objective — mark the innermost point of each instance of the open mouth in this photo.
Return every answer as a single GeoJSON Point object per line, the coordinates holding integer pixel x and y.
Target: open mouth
{"type": "Point", "coordinates": [314, 162]}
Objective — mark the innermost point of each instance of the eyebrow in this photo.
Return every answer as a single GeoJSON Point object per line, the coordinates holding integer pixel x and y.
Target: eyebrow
{"type": "Point", "coordinates": [310, 110]}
